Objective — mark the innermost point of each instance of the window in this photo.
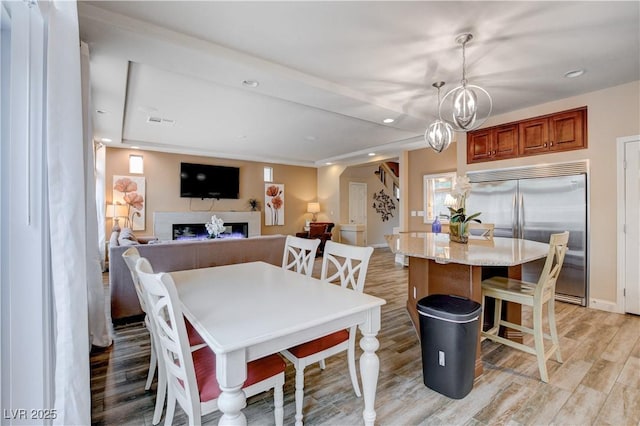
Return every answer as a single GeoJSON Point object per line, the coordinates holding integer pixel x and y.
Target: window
{"type": "Point", "coordinates": [436, 189]}
{"type": "Point", "coordinates": [136, 164]}
{"type": "Point", "coordinates": [268, 174]}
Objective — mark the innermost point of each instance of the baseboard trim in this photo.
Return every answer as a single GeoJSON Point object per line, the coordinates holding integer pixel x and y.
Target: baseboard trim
{"type": "Point", "coordinates": [605, 305]}
{"type": "Point", "coordinates": [379, 245]}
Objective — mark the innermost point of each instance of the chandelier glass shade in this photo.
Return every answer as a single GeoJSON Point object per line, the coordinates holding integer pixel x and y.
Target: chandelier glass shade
{"type": "Point", "coordinates": [439, 134]}
{"type": "Point", "coordinates": [467, 106]}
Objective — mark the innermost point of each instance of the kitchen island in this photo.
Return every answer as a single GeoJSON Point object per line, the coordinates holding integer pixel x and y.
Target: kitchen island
{"type": "Point", "coordinates": [438, 266]}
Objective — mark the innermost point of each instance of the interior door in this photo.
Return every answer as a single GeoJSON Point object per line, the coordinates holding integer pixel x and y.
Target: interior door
{"type": "Point", "coordinates": [358, 203]}
{"type": "Point", "coordinates": [632, 234]}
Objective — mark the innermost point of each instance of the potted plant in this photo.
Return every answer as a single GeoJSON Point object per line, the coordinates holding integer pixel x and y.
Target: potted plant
{"type": "Point", "coordinates": [458, 223]}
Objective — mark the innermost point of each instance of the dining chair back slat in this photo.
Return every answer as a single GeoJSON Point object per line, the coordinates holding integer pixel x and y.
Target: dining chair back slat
{"type": "Point", "coordinates": [299, 254]}
{"type": "Point", "coordinates": [345, 264]}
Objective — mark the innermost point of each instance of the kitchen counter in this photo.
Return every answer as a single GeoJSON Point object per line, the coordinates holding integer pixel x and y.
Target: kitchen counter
{"type": "Point", "coordinates": [438, 266]}
{"type": "Point", "coordinates": [479, 251]}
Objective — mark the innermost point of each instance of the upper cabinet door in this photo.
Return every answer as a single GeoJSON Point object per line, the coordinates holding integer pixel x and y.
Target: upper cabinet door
{"type": "Point", "coordinates": [505, 141]}
{"type": "Point", "coordinates": [479, 146]}
{"type": "Point", "coordinates": [568, 131]}
{"type": "Point", "coordinates": [534, 136]}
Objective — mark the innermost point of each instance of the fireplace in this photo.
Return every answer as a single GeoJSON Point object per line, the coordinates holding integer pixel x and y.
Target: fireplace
{"type": "Point", "coordinates": [198, 231]}
{"type": "Point", "coordinates": [163, 222]}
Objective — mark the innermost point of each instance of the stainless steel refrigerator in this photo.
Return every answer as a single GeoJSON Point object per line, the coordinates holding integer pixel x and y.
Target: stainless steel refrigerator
{"type": "Point", "coordinates": [533, 203]}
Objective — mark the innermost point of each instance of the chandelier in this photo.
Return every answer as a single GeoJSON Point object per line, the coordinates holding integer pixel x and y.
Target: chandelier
{"type": "Point", "coordinates": [439, 134]}
{"type": "Point", "coordinates": [467, 106]}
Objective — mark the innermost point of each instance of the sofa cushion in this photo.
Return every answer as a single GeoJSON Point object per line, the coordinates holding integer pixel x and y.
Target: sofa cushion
{"type": "Point", "coordinates": [127, 237]}
{"type": "Point", "coordinates": [316, 230]}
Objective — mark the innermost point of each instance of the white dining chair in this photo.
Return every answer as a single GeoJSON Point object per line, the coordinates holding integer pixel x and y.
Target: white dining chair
{"type": "Point", "coordinates": [131, 256]}
{"type": "Point", "coordinates": [534, 295]}
{"type": "Point", "coordinates": [299, 254]}
{"type": "Point", "coordinates": [191, 376]}
{"type": "Point", "coordinates": [346, 265]}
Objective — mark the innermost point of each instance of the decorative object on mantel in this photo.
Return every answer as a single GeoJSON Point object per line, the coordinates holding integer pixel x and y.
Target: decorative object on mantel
{"type": "Point", "coordinates": [459, 221]}
{"type": "Point", "coordinates": [130, 191]}
{"type": "Point", "coordinates": [215, 227]}
{"type": "Point", "coordinates": [467, 106]}
{"type": "Point", "coordinates": [439, 134]}
{"type": "Point", "coordinates": [384, 205]}
{"type": "Point", "coordinates": [254, 204]}
{"type": "Point", "coordinates": [274, 200]}
{"type": "Point", "coordinates": [314, 209]}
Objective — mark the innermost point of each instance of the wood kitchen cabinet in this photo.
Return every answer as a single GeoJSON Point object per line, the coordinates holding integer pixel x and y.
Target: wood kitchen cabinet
{"type": "Point", "coordinates": [562, 131]}
{"type": "Point", "coordinates": [493, 143]}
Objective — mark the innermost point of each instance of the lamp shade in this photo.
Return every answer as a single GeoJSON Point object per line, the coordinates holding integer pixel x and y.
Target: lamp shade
{"type": "Point", "coordinates": [313, 207]}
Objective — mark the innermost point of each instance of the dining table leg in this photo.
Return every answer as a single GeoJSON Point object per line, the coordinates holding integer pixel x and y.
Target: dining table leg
{"type": "Point", "coordinates": [231, 371]}
{"type": "Point", "coordinates": [370, 363]}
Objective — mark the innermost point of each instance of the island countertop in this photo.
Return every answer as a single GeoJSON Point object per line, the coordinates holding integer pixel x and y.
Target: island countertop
{"type": "Point", "coordinates": [480, 251]}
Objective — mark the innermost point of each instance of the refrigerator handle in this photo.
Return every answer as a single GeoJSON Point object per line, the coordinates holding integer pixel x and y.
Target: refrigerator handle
{"type": "Point", "coordinates": [521, 218]}
{"type": "Point", "coordinates": [514, 216]}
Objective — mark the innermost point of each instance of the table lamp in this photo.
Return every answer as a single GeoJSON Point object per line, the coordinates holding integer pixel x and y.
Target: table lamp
{"type": "Point", "coordinates": [116, 211]}
{"type": "Point", "coordinates": [313, 208]}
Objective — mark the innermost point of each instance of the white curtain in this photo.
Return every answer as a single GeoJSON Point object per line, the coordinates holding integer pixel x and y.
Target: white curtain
{"type": "Point", "coordinates": [75, 263]}
{"type": "Point", "coordinates": [98, 319]}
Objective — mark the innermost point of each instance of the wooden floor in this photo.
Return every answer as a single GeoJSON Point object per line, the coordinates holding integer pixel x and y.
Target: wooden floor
{"type": "Point", "coordinates": [599, 382]}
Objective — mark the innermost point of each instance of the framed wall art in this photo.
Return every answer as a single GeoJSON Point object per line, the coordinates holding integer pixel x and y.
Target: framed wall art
{"type": "Point", "coordinates": [130, 192]}
{"type": "Point", "coordinates": [274, 204]}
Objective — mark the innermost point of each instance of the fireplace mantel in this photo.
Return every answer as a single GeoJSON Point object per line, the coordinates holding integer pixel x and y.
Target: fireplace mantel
{"type": "Point", "coordinates": [163, 221]}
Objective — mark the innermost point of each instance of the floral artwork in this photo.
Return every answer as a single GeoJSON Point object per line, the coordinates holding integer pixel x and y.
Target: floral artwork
{"type": "Point", "coordinates": [384, 205]}
{"type": "Point", "coordinates": [130, 192]}
{"type": "Point", "coordinates": [274, 204]}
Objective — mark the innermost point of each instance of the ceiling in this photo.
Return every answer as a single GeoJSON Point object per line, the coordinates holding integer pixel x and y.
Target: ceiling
{"type": "Point", "coordinates": [169, 76]}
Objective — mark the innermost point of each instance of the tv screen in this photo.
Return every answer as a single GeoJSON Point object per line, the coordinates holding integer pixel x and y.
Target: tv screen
{"type": "Point", "coordinates": [206, 181]}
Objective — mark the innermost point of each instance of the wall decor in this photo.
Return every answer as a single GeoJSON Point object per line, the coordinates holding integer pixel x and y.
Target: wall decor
{"type": "Point", "coordinates": [130, 191]}
{"type": "Point", "coordinates": [274, 204]}
{"type": "Point", "coordinates": [383, 204]}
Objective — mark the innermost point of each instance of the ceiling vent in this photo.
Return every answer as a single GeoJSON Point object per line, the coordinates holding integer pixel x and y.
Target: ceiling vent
{"type": "Point", "coordinates": [160, 120]}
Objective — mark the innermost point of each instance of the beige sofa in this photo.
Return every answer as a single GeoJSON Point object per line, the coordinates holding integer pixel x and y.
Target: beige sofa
{"type": "Point", "coordinates": [179, 255]}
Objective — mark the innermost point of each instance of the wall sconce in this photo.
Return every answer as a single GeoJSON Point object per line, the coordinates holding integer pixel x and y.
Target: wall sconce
{"type": "Point", "coordinates": [313, 208]}
{"type": "Point", "coordinates": [136, 164]}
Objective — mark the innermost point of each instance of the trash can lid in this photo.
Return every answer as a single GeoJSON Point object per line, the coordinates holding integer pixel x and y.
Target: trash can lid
{"type": "Point", "coordinates": [449, 307]}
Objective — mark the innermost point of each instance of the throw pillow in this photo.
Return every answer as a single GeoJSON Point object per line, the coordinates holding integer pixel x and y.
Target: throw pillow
{"type": "Point", "coordinates": [127, 238]}
{"type": "Point", "coordinates": [316, 230]}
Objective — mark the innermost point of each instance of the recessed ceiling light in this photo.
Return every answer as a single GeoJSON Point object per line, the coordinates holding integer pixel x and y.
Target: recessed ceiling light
{"type": "Point", "coordinates": [388, 120]}
{"type": "Point", "coordinates": [371, 154]}
{"type": "Point", "coordinates": [250, 83]}
{"type": "Point", "coordinates": [135, 147]}
{"type": "Point", "coordinates": [574, 73]}
{"type": "Point", "coordinates": [328, 163]}
{"type": "Point", "coordinates": [106, 140]}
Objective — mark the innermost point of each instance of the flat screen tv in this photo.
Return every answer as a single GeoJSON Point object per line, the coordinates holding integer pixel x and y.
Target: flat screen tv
{"type": "Point", "coordinates": [207, 181]}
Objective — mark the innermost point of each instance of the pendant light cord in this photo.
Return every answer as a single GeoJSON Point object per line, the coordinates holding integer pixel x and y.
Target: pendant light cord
{"type": "Point", "coordinates": [464, 64]}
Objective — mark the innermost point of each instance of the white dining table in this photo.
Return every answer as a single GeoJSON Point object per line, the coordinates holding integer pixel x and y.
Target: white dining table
{"type": "Point", "coordinates": [246, 311]}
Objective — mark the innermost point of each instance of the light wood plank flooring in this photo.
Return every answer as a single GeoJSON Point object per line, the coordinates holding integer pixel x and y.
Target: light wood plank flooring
{"type": "Point", "coordinates": [598, 384]}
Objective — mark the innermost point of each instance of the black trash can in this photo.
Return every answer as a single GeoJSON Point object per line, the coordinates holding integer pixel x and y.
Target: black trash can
{"type": "Point", "coordinates": [449, 333]}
